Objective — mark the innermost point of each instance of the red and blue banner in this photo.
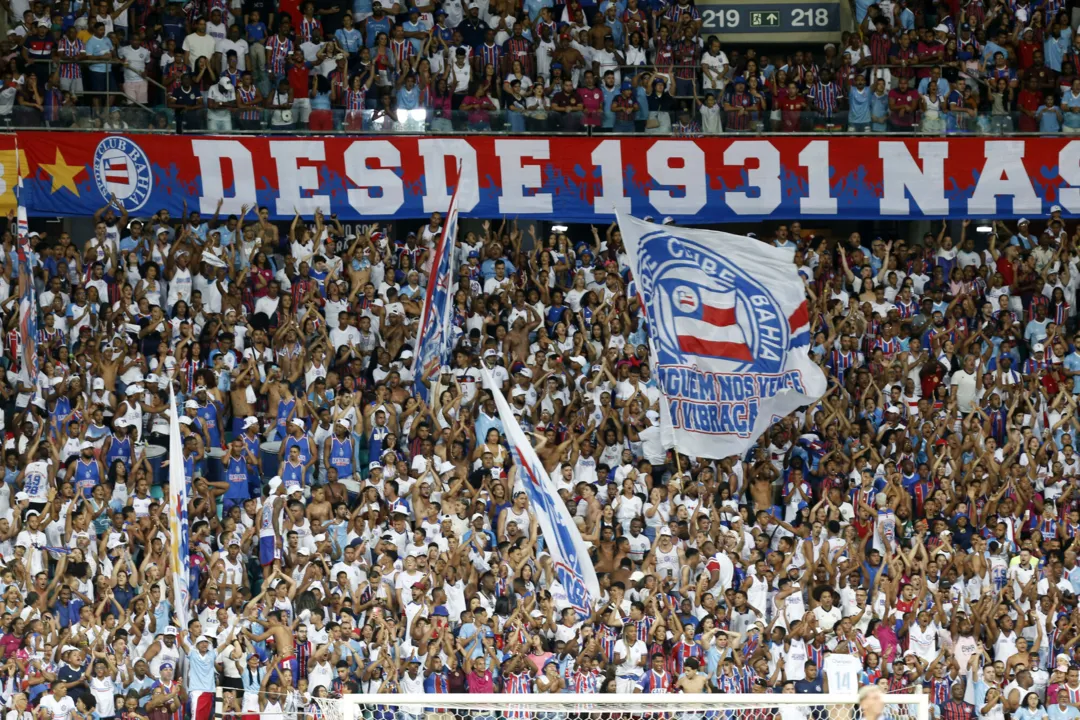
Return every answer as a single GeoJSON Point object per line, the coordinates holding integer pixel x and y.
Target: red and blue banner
{"type": "Point", "coordinates": [572, 179]}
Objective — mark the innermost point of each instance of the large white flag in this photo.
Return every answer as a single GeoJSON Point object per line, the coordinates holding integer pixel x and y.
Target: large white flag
{"type": "Point", "coordinates": [730, 334]}
{"type": "Point", "coordinates": [178, 518]}
{"type": "Point", "coordinates": [573, 566]}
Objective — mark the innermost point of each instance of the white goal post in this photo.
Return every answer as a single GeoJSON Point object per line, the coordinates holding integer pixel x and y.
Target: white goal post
{"type": "Point", "coordinates": [568, 706]}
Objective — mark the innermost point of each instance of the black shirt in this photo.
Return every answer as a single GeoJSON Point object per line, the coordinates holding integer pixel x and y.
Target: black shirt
{"type": "Point", "coordinates": [265, 8]}
{"type": "Point", "coordinates": [806, 687]}
{"type": "Point", "coordinates": [187, 98]}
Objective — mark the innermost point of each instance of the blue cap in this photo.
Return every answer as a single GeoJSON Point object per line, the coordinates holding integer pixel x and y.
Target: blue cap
{"type": "Point", "coordinates": [740, 79]}
{"type": "Point", "coordinates": [627, 85]}
{"type": "Point", "coordinates": [440, 611]}
{"type": "Point", "coordinates": [555, 65]}
{"type": "Point", "coordinates": [803, 506]}
{"type": "Point", "coordinates": [440, 13]}
{"type": "Point", "coordinates": [474, 254]}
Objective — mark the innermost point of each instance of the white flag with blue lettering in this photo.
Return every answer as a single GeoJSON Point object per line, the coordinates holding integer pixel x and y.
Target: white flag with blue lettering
{"type": "Point", "coordinates": [569, 554]}
{"type": "Point", "coordinates": [730, 334]}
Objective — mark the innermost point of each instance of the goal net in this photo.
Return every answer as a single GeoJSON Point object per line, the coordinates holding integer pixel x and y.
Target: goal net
{"type": "Point", "coordinates": [566, 706]}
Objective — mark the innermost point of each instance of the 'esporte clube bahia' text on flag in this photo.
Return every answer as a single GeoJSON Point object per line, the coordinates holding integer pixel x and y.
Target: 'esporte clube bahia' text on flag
{"type": "Point", "coordinates": [569, 554]}
{"type": "Point", "coordinates": [436, 338]}
{"type": "Point", "coordinates": [730, 334]}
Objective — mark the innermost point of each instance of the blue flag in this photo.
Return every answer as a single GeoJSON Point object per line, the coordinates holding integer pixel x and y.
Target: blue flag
{"type": "Point", "coordinates": [436, 339]}
{"type": "Point", "coordinates": [569, 554]}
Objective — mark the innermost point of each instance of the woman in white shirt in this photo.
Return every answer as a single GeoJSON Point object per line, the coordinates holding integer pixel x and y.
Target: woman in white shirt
{"type": "Point", "coordinates": [627, 505]}
{"type": "Point", "coordinates": [657, 512]}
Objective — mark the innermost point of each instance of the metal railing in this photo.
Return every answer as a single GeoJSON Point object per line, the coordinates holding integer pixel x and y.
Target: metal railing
{"type": "Point", "coordinates": [120, 113]}
{"type": "Point", "coordinates": [113, 92]}
{"type": "Point", "coordinates": [507, 122]}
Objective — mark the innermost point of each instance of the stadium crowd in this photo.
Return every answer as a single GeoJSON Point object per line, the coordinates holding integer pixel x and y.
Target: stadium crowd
{"type": "Point", "coordinates": [916, 528]}
{"type": "Point", "coordinates": [538, 65]}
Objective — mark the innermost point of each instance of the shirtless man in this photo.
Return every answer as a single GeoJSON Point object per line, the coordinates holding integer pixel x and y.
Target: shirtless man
{"type": "Point", "coordinates": [319, 509]}
{"type": "Point", "coordinates": [761, 487]}
{"type": "Point", "coordinates": [518, 337]}
{"type": "Point", "coordinates": [283, 639]}
{"type": "Point", "coordinates": [692, 681]}
{"type": "Point", "coordinates": [238, 394]}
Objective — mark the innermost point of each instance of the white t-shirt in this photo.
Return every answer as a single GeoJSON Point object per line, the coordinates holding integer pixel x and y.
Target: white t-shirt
{"type": "Point", "coordinates": [716, 64]}
{"type": "Point", "coordinates": [964, 382]}
{"type": "Point", "coordinates": [827, 619]}
{"type": "Point", "coordinates": [842, 672]}
{"type": "Point", "coordinates": [137, 60]}
{"type": "Point", "coordinates": [923, 642]}
{"type": "Point", "coordinates": [241, 48]}
{"type": "Point", "coordinates": [633, 655]}
{"type": "Point", "coordinates": [61, 709]}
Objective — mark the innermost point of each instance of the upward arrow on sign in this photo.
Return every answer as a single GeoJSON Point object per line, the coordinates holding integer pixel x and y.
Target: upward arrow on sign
{"type": "Point", "coordinates": [772, 18]}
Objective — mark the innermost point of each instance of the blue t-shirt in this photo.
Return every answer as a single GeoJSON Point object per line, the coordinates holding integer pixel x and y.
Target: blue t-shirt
{"type": "Point", "coordinates": [1072, 119]}
{"type": "Point", "coordinates": [256, 32]}
{"type": "Point", "coordinates": [350, 40]}
{"type": "Point", "coordinates": [859, 104]}
{"type": "Point", "coordinates": [1048, 119]}
{"type": "Point", "coordinates": [99, 46]}
{"type": "Point", "coordinates": [1056, 713]}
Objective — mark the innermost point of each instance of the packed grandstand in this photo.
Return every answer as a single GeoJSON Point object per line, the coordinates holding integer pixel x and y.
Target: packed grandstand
{"type": "Point", "coordinates": [916, 528]}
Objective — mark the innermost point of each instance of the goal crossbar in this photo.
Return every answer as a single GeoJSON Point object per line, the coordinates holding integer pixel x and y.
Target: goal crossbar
{"type": "Point", "coordinates": [830, 706]}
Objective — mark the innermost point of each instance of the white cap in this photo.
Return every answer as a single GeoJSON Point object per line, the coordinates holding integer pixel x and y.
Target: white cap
{"type": "Point", "coordinates": [86, 445]}
{"type": "Point", "coordinates": [942, 28]}
{"type": "Point", "coordinates": [653, 416]}
{"type": "Point", "coordinates": [1022, 221]}
{"type": "Point", "coordinates": [202, 639]}
{"type": "Point", "coordinates": [343, 423]}
{"type": "Point", "coordinates": [579, 360]}
{"type": "Point", "coordinates": [490, 353]}
{"type": "Point", "coordinates": [191, 405]}
{"type": "Point", "coordinates": [304, 551]}
{"type": "Point", "coordinates": [171, 630]}
{"type": "Point", "coordinates": [1038, 347]}
{"type": "Point", "coordinates": [298, 423]}
{"type": "Point", "coordinates": [99, 384]}
{"type": "Point", "coordinates": [275, 483]}
{"type": "Point", "coordinates": [121, 422]}
{"type": "Point", "coordinates": [250, 421]}
{"type": "Point", "coordinates": [134, 389]}
{"type": "Point", "coordinates": [185, 420]}
{"type": "Point", "coordinates": [526, 372]}
{"type": "Point", "coordinates": [665, 530]}
{"type": "Point", "coordinates": [636, 576]}
{"type": "Point", "coordinates": [1055, 208]}
{"type": "Point", "coordinates": [518, 392]}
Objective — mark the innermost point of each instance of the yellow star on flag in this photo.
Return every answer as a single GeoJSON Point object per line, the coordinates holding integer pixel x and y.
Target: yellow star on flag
{"type": "Point", "coordinates": [63, 175]}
